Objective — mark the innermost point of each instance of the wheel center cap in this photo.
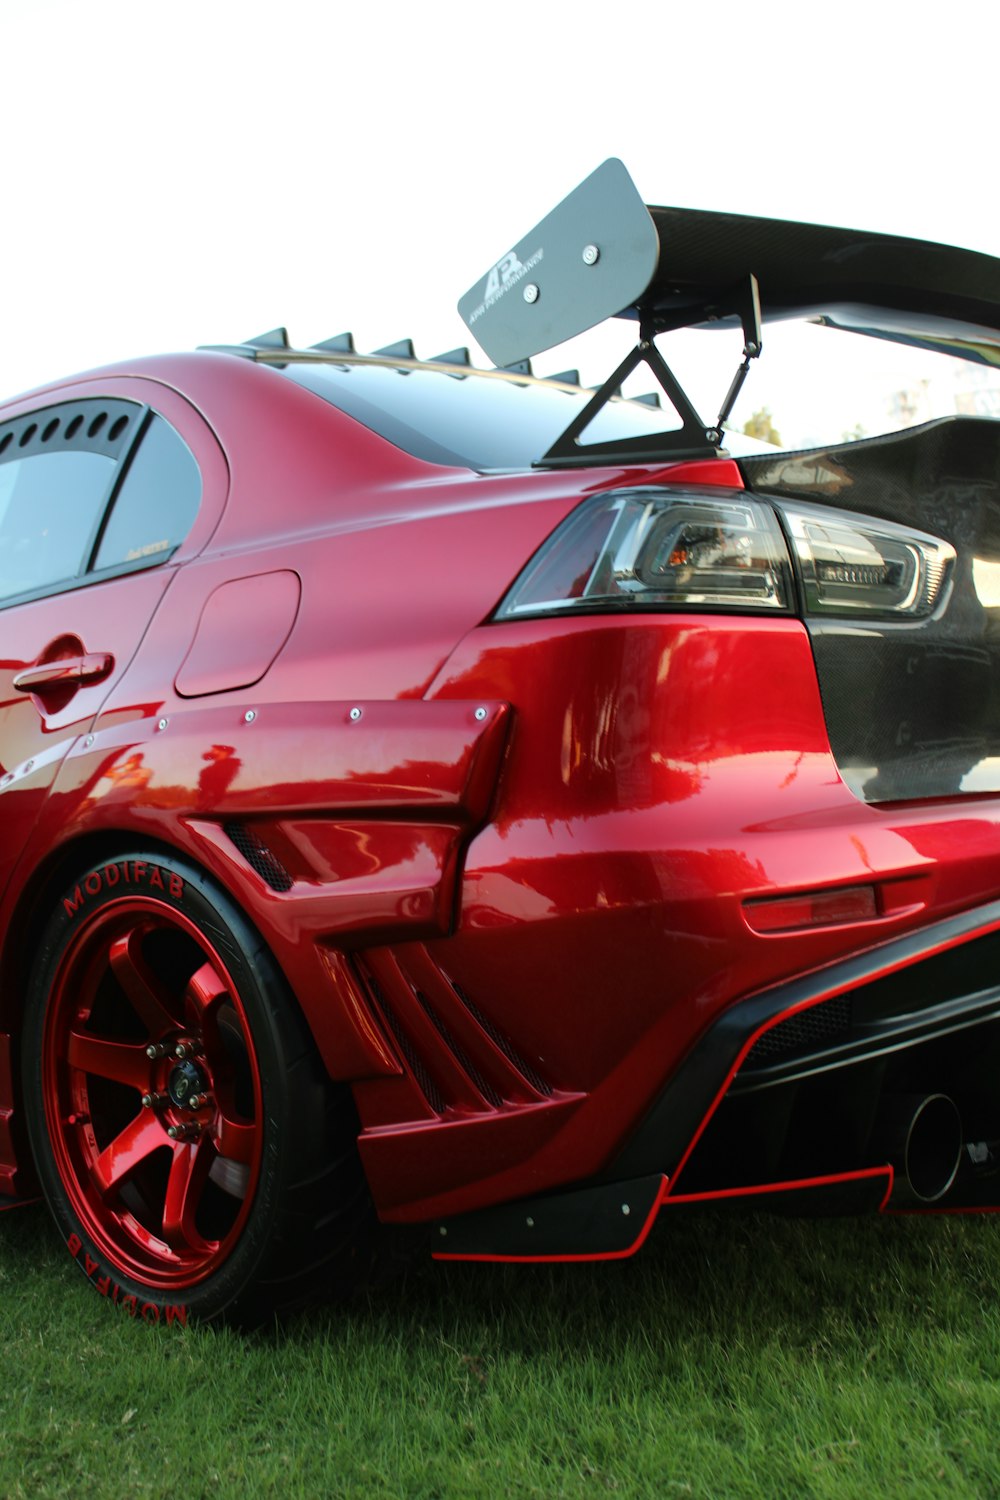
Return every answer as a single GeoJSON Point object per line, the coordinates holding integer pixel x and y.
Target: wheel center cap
{"type": "Point", "coordinates": [186, 1079]}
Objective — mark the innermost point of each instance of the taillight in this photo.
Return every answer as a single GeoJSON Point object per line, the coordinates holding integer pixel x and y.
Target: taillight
{"type": "Point", "coordinates": [650, 549]}
{"type": "Point", "coordinates": [851, 565]}
{"type": "Point", "coordinates": [653, 550]}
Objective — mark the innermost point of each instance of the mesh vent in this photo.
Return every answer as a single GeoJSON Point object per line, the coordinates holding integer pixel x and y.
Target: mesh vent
{"type": "Point", "coordinates": [259, 857]}
{"type": "Point", "coordinates": [820, 1023]}
{"type": "Point", "coordinates": [465, 1061]}
{"type": "Point", "coordinates": [457, 1058]}
{"type": "Point", "coordinates": [502, 1043]}
{"type": "Point", "coordinates": [425, 1082]}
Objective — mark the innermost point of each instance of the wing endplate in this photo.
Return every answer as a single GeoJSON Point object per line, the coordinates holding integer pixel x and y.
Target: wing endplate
{"type": "Point", "coordinates": [553, 285]}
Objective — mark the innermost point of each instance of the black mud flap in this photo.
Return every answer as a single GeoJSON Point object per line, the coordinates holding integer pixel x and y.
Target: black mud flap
{"type": "Point", "coordinates": [608, 1222]}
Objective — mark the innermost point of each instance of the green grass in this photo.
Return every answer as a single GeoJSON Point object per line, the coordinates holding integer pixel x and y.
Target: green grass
{"type": "Point", "coordinates": [733, 1357]}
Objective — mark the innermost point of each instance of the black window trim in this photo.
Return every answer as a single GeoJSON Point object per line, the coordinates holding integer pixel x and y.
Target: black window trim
{"type": "Point", "coordinates": [90, 550]}
{"type": "Point", "coordinates": [85, 580]}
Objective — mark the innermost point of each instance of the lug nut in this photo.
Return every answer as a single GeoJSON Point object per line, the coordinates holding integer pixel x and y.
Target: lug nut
{"type": "Point", "coordinates": [185, 1049]}
{"type": "Point", "coordinates": [152, 1101]}
{"type": "Point", "coordinates": [197, 1101]}
{"type": "Point", "coordinates": [157, 1049]}
{"type": "Point", "coordinates": [184, 1132]}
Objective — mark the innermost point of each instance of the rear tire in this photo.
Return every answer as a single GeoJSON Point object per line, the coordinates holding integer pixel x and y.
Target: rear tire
{"type": "Point", "coordinates": [219, 1177]}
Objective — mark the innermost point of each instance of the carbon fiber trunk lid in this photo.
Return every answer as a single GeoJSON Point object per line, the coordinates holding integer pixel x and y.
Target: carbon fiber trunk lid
{"type": "Point", "coordinates": [912, 708]}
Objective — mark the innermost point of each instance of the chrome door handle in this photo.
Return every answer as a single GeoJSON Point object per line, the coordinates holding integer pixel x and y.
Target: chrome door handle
{"type": "Point", "coordinates": [67, 672]}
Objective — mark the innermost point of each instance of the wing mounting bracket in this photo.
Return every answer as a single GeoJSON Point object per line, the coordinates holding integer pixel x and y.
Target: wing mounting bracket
{"type": "Point", "coordinates": [692, 439]}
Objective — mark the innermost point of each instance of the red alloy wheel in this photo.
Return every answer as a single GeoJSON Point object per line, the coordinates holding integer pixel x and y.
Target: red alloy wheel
{"type": "Point", "coordinates": [152, 1093]}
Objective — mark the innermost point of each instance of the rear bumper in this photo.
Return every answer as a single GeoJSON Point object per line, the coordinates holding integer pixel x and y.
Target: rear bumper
{"type": "Point", "coordinates": [664, 774]}
{"type": "Point", "coordinates": [778, 1105]}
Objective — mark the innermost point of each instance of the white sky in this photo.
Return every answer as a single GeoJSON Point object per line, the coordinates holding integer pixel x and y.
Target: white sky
{"type": "Point", "coordinates": [201, 170]}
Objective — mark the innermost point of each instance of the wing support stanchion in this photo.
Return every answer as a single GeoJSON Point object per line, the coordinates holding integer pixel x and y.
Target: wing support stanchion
{"type": "Point", "coordinates": [747, 304]}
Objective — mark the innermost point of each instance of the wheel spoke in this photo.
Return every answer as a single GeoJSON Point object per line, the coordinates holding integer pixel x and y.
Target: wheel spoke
{"type": "Point", "coordinates": [126, 1153]}
{"type": "Point", "coordinates": [206, 989]}
{"type": "Point", "coordinates": [148, 997]}
{"type": "Point", "coordinates": [122, 1062]}
{"type": "Point", "coordinates": [188, 1174]}
{"type": "Point", "coordinates": [234, 1139]}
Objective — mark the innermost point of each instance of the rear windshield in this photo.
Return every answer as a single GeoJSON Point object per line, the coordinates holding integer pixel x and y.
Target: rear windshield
{"type": "Point", "coordinates": [464, 419]}
{"type": "Point", "coordinates": [813, 386]}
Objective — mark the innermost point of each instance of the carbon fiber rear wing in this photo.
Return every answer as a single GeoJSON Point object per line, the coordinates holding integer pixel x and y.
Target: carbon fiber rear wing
{"type": "Point", "coordinates": [603, 253]}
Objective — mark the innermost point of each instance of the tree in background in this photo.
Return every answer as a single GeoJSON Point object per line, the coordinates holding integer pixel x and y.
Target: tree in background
{"type": "Point", "coordinates": [761, 426]}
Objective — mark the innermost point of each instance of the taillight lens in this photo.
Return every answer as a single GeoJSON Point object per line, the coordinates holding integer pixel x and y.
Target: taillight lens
{"type": "Point", "coordinates": [650, 550]}
{"type": "Point", "coordinates": [853, 565]}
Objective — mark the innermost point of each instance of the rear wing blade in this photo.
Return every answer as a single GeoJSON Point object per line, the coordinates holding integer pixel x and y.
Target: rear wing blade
{"type": "Point", "coordinates": [602, 253]}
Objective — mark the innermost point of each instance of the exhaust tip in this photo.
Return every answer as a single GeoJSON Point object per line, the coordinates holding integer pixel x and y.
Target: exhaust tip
{"type": "Point", "coordinates": [922, 1136]}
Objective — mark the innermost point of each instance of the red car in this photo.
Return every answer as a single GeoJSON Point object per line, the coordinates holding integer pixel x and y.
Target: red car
{"type": "Point", "coordinates": [444, 799]}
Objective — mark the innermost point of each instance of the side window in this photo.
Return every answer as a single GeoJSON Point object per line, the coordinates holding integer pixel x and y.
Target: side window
{"type": "Point", "coordinates": [89, 488]}
{"type": "Point", "coordinates": [50, 506]}
{"type": "Point", "coordinates": [57, 470]}
{"type": "Point", "coordinates": [156, 502]}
